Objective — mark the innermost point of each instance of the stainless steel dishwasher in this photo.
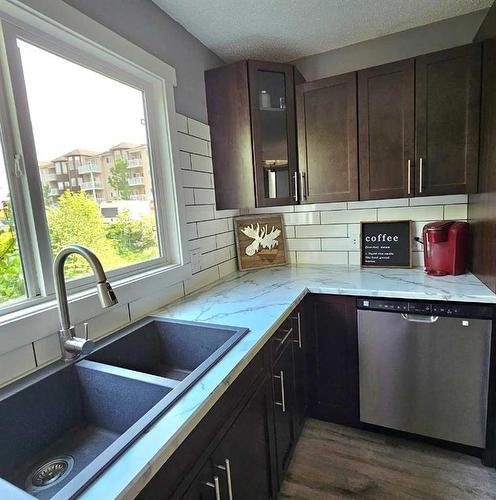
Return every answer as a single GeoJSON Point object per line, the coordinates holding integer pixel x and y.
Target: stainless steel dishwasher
{"type": "Point", "coordinates": [424, 368]}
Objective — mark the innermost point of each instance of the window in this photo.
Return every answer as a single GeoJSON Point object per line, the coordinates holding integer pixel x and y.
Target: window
{"type": "Point", "coordinates": [105, 113]}
{"type": "Point", "coordinates": [98, 103]}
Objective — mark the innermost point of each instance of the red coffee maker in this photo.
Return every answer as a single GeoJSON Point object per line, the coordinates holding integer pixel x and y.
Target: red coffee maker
{"type": "Point", "coordinates": [445, 247]}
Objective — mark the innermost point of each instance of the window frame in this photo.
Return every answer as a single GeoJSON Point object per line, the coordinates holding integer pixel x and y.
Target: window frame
{"type": "Point", "coordinates": [64, 31]}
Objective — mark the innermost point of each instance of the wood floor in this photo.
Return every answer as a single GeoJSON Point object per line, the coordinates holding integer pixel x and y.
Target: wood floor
{"type": "Point", "coordinates": [331, 461]}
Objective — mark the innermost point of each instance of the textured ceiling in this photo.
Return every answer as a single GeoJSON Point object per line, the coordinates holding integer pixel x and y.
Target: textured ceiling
{"type": "Point", "coordinates": [284, 30]}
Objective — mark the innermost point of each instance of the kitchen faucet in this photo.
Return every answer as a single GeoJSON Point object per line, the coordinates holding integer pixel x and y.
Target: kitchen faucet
{"type": "Point", "coordinates": [72, 346]}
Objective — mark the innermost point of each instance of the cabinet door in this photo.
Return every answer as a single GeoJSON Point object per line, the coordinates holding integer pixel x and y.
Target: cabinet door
{"type": "Point", "coordinates": [242, 458]}
{"type": "Point", "coordinates": [386, 130]}
{"type": "Point", "coordinates": [283, 397]}
{"type": "Point", "coordinates": [447, 121]}
{"type": "Point", "coordinates": [273, 131]}
{"type": "Point", "coordinates": [300, 378]}
{"type": "Point", "coordinates": [336, 397]}
{"type": "Point", "coordinates": [228, 106]}
{"type": "Point", "coordinates": [327, 139]}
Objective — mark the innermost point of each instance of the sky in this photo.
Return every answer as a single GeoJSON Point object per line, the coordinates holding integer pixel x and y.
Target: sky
{"type": "Point", "coordinates": [73, 107]}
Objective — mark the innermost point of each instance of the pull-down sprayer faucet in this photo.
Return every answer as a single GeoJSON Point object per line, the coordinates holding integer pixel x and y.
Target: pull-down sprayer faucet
{"type": "Point", "coordinates": [73, 346]}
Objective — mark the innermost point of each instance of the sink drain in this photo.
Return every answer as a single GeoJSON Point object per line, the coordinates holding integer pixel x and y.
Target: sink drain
{"type": "Point", "coordinates": [50, 473]}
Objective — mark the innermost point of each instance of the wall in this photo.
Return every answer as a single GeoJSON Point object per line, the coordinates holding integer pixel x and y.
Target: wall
{"type": "Point", "coordinates": [209, 230]}
{"type": "Point", "coordinates": [149, 27]}
{"type": "Point", "coordinates": [482, 206]}
{"type": "Point", "coordinates": [410, 43]}
{"type": "Point", "coordinates": [329, 233]}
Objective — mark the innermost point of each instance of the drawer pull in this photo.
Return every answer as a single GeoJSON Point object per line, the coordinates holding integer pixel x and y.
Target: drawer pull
{"type": "Point", "coordinates": [298, 319]}
{"type": "Point", "coordinates": [215, 485]}
{"type": "Point", "coordinates": [283, 395]}
{"type": "Point", "coordinates": [227, 469]}
{"type": "Point", "coordinates": [281, 340]}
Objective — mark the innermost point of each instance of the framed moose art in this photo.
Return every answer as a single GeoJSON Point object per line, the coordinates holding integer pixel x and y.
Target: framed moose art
{"type": "Point", "coordinates": [260, 241]}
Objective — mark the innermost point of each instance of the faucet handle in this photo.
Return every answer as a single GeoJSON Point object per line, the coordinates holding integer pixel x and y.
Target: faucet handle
{"type": "Point", "coordinates": [86, 330]}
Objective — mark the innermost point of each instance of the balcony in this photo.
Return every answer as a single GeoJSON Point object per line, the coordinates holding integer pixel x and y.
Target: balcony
{"type": "Point", "coordinates": [50, 177]}
{"type": "Point", "coordinates": [89, 186]}
{"type": "Point", "coordinates": [137, 197]}
{"type": "Point", "coordinates": [53, 192]}
{"type": "Point", "coordinates": [87, 168]}
{"type": "Point", "coordinates": [136, 181]}
{"type": "Point", "coordinates": [135, 163]}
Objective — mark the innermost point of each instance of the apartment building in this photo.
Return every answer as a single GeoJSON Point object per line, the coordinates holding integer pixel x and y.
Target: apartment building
{"type": "Point", "coordinates": [89, 171]}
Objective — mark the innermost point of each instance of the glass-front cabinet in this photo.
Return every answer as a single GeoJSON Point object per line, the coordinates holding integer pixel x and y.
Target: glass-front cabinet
{"type": "Point", "coordinates": [273, 130]}
{"type": "Point", "coordinates": [251, 113]}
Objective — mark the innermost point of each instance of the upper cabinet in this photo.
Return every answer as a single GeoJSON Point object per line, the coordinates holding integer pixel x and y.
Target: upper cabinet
{"type": "Point", "coordinates": [386, 130]}
{"type": "Point", "coordinates": [408, 128]}
{"type": "Point", "coordinates": [447, 108]}
{"type": "Point", "coordinates": [327, 139]}
{"type": "Point", "coordinates": [252, 121]}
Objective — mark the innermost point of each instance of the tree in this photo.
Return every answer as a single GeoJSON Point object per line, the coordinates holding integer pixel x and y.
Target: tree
{"type": "Point", "coordinates": [118, 178]}
{"type": "Point", "coordinates": [133, 236]}
{"type": "Point", "coordinates": [11, 275]}
{"type": "Point", "coordinates": [77, 219]}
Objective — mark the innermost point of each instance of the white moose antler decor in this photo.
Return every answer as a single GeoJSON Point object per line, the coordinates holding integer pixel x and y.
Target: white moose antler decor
{"type": "Point", "coordinates": [261, 238]}
{"type": "Point", "coordinates": [260, 241]}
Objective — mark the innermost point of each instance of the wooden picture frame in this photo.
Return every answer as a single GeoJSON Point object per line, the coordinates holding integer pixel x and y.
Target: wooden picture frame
{"type": "Point", "coordinates": [260, 241]}
{"type": "Point", "coordinates": [379, 248]}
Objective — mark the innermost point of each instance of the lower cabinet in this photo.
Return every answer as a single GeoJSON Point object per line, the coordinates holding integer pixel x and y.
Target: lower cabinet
{"type": "Point", "coordinates": [239, 466]}
{"type": "Point", "coordinates": [242, 447]}
{"type": "Point", "coordinates": [334, 378]}
{"type": "Point", "coordinates": [283, 398]}
{"type": "Point", "coordinates": [300, 353]}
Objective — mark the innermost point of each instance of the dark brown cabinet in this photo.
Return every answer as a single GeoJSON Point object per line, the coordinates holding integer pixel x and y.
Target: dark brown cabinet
{"type": "Point", "coordinates": [327, 139]}
{"type": "Point", "coordinates": [239, 466]}
{"type": "Point", "coordinates": [447, 108]}
{"type": "Point", "coordinates": [386, 130]}
{"type": "Point", "coordinates": [253, 134]}
{"type": "Point", "coordinates": [335, 388]}
{"type": "Point", "coordinates": [300, 353]}
{"type": "Point", "coordinates": [283, 398]}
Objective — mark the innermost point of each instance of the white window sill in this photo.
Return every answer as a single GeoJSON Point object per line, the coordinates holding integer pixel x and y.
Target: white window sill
{"type": "Point", "coordinates": [39, 320]}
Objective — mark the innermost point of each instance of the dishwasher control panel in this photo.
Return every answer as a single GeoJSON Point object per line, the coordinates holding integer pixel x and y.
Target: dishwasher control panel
{"type": "Point", "coordinates": [427, 308]}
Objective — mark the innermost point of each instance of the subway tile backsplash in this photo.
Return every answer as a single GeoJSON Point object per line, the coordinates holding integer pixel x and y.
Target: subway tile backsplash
{"type": "Point", "coordinates": [329, 233]}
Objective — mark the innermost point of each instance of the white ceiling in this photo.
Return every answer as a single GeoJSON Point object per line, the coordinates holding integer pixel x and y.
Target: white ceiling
{"type": "Point", "coordinates": [284, 30]}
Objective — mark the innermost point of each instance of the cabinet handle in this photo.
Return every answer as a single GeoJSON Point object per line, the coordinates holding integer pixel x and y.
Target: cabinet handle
{"type": "Point", "coordinates": [298, 319]}
{"type": "Point", "coordinates": [281, 340]}
{"type": "Point", "coordinates": [215, 485]}
{"type": "Point", "coordinates": [227, 469]}
{"type": "Point", "coordinates": [303, 187]}
{"type": "Point", "coordinates": [283, 396]}
{"type": "Point", "coordinates": [421, 178]}
{"type": "Point", "coordinates": [306, 186]}
{"type": "Point", "coordinates": [296, 186]}
{"type": "Point", "coordinates": [409, 177]}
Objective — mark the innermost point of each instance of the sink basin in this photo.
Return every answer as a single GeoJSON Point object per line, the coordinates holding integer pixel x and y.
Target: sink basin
{"type": "Point", "coordinates": [63, 425]}
{"type": "Point", "coordinates": [167, 348]}
{"type": "Point", "coordinates": [77, 413]}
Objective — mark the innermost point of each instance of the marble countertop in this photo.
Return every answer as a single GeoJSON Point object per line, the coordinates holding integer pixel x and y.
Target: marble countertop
{"type": "Point", "coordinates": [260, 300]}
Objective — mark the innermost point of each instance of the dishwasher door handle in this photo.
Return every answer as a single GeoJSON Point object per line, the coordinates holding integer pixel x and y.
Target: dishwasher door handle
{"type": "Point", "coordinates": [417, 318]}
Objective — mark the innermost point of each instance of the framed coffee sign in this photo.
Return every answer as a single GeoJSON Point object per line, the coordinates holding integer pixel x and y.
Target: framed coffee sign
{"type": "Point", "coordinates": [386, 244]}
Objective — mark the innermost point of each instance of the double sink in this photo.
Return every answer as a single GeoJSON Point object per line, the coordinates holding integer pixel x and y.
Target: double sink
{"type": "Point", "coordinates": [64, 425]}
